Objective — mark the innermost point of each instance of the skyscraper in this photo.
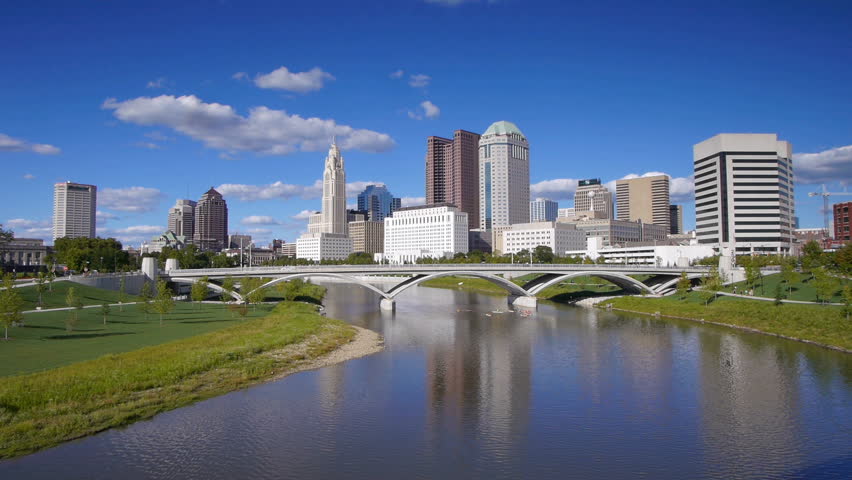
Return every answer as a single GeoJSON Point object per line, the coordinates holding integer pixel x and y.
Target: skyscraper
{"type": "Point", "coordinates": [378, 202]}
{"type": "Point", "coordinates": [841, 221]}
{"type": "Point", "coordinates": [504, 176]}
{"type": "Point", "coordinates": [676, 218]}
{"type": "Point", "coordinates": [334, 193]}
{"type": "Point", "coordinates": [452, 172]}
{"type": "Point", "coordinates": [211, 221]}
{"type": "Point", "coordinates": [182, 218]}
{"type": "Point", "coordinates": [591, 196]}
{"type": "Point", "coordinates": [543, 210]}
{"type": "Point", "coordinates": [74, 210]}
{"type": "Point", "coordinates": [744, 192]}
{"type": "Point", "coordinates": [644, 199]}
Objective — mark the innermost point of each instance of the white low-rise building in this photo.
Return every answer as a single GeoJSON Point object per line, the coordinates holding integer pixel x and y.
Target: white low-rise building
{"type": "Point", "coordinates": [654, 255]}
{"type": "Point", "coordinates": [560, 237]}
{"type": "Point", "coordinates": [324, 246]}
{"type": "Point", "coordinates": [435, 231]}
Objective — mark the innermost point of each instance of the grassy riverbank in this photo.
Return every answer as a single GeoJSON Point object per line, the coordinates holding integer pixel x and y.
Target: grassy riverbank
{"type": "Point", "coordinates": [817, 323]}
{"type": "Point", "coordinates": [802, 287]}
{"type": "Point", "coordinates": [56, 299]}
{"type": "Point", "coordinates": [43, 341]}
{"type": "Point", "coordinates": [43, 409]}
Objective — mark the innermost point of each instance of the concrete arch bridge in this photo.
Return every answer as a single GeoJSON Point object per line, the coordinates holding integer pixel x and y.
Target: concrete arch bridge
{"type": "Point", "coordinates": [659, 281]}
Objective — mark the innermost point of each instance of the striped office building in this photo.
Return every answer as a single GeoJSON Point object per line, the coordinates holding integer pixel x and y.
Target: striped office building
{"type": "Point", "coordinates": [744, 192]}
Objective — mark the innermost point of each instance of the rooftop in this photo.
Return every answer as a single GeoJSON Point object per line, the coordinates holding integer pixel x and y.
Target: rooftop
{"type": "Point", "coordinates": [503, 128]}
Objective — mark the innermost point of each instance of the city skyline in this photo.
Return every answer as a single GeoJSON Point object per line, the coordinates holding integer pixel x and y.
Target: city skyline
{"type": "Point", "coordinates": [124, 133]}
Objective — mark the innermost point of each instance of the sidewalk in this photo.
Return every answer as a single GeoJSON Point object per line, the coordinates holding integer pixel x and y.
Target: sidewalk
{"type": "Point", "coordinates": [768, 299]}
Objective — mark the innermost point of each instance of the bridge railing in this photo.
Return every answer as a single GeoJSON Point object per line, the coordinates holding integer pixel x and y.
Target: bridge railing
{"type": "Point", "coordinates": [404, 269]}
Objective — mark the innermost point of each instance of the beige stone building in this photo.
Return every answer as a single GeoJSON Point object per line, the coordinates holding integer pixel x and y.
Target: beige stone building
{"type": "Point", "coordinates": [644, 199]}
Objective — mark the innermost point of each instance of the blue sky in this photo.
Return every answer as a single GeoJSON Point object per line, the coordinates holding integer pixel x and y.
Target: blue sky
{"type": "Point", "coordinates": [157, 101]}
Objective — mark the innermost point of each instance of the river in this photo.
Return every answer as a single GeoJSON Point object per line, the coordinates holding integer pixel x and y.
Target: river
{"type": "Point", "coordinates": [563, 393]}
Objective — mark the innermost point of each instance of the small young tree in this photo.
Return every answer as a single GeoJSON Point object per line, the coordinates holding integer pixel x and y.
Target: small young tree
{"type": "Point", "coordinates": [847, 300]}
{"type": "Point", "coordinates": [199, 291]}
{"type": "Point", "coordinates": [683, 286]}
{"type": "Point", "coordinates": [51, 276]}
{"type": "Point", "coordinates": [73, 301]}
{"type": "Point", "coordinates": [752, 273]}
{"type": "Point", "coordinates": [145, 299]}
{"type": "Point", "coordinates": [41, 287]}
{"type": "Point", "coordinates": [788, 274]}
{"type": "Point", "coordinates": [825, 284]}
{"type": "Point", "coordinates": [710, 284]}
{"type": "Point", "coordinates": [778, 295]}
{"type": "Point", "coordinates": [105, 311]}
{"type": "Point", "coordinates": [228, 287]}
{"type": "Point", "coordinates": [163, 303]}
{"type": "Point", "coordinates": [257, 295]}
{"type": "Point", "coordinates": [122, 294]}
{"type": "Point", "coordinates": [11, 305]}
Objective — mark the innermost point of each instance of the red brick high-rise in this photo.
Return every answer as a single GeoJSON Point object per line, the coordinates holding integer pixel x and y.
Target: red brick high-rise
{"type": "Point", "coordinates": [841, 221]}
{"type": "Point", "coordinates": [452, 172]}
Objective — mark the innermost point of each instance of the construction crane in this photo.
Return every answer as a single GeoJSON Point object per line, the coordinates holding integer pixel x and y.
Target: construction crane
{"type": "Point", "coordinates": [825, 194]}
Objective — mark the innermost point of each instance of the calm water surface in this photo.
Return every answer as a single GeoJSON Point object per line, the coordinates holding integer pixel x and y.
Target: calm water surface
{"type": "Point", "coordinates": [563, 393]}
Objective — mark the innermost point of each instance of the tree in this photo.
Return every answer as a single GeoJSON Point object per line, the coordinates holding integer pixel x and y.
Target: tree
{"type": "Point", "coordinates": [248, 287]}
{"type": "Point", "coordinates": [41, 287]}
{"type": "Point", "coordinates": [11, 305]}
{"type": "Point", "coordinates": [105, 311]}
{"type": "Point", "coordinates": [145, 298]}
{"type": "Point", "coordinates": [122, 294]}
{"type": "Point", "coordinates": [752, 273]}
{"type": "Point", "coordinates": [847, 300]}
{"type": "Point", "coordinates": [163, 303]}
{"type": "Point", "coordinates": [788, 273]}
{"type": "Point", "coordinates": [199, 290]}
{"type": "Point", "coordinates": [228, 288]}
{"type": "Point", "coordinates": [811, 256]}
{"type": "Point", "coordinates": [73, 301]}
{"type": "Point", "coordinates": [683, 285]}
{"type": "Point", "coordinates": [51, 276]}
{"type": "Point", "coordinates": [843, 258]}
{"type": "Point", "coordinates": [6, 236]}
{"type": "Point", "coordinates": [778, 295]}
{"type": "Point", "coordinates": [543, 254]}
{"type": "Point", "coordinates": [710, 284]}
{"type": "Point", "coordinates": [257, 295]}
{"type": "Point", "coordinates": [77, 253]}
{"type": "Point", "coordinates": [825, 284]}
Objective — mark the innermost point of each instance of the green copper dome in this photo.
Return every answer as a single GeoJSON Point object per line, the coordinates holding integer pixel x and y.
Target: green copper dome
{"type": "Point", "coordinates": [503, 128]}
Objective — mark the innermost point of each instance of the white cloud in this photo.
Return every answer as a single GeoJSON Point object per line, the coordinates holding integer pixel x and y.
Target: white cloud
{"type": "Point", "coordinates": [131, 235]}
{"type": "Point", "coordinates": [157, 136]}
{"type": "Point", "coordinates": [259, 220]}
{"type": "Point", "coordinates": [26, 223]}
{"type": "Point", "coordinates": [103, 217]}
{"type": "Point", "coordinates": [264, 131]}
{"type": "Point", "coordinates": [148, 145]}
{"type": "Point", "coordinates": [430, 109]}
{"type": "Point", "coordinates": [158, 83]}
{"type": "Point", "coordinates": [141, 230]}
{"type": "Point", "coordinates": [259, 231]}
{"type": "Point", "coordinates": [681, 188]}
{"type": "Point", "coordinates": [397, 74]}
{"type": "Point", "coordinates": [131, 199]}
{"type": "Point", "coordinates": [284, 191]}
{"type": "Point", "coordinates": [419, 80]}
{"type": "Point", "coordinates": [828, 166]}
{"type": "Point", "coordinates": [25, 228]}
{"type": "Point", "coordinates": [303, 215]}
{"type": "Point", "coordinates": [301, 82]}
{"type": "Point", "coordinates": [29, 176]}
{"type": "Point", "coordinates": [240, 76]}
{"type": "Point", "coordinates": [413, 201]}
{"type": "Point", "coordinates": [11, 144]}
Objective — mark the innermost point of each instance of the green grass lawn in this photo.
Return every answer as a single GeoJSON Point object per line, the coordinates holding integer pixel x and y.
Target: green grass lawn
{"type": "Point", "coordinates": [56, 299]}
{"type": "Point", "coordinates": [46, 408]}
{"type": "Point", "coordinates": [818, 323]}
{"type": "Point", "coordinates": [44, 343]}
{"type": "Point", "coordinates": [802, 288]}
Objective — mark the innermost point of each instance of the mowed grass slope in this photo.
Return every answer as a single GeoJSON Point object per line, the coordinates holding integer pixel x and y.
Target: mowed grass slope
{"type": "Point", "coordinates": [56, 299]}
{"type": "Point", "coordinates": [802, 288]}
{"type": "Point", "coordinates": [44, 343]}
{"type": "Point", "coordinates": [818, 323]}
{"type": "Point", "coordinates": [46, 408]}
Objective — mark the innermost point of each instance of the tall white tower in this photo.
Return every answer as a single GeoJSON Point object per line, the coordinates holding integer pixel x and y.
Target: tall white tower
{"type": "Point", "coordinates": [74, 207]}
{"type": "Point", "coordinates": [334, 193]}
{"type": "Point", "coordinates": [504, 176]}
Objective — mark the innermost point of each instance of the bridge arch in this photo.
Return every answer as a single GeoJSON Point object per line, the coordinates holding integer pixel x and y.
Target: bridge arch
{"type": "Point", "coordinates": [668, 284]}
{"type": "Point", "coordinates": [339, 276]}
{"type": "Point", "coordinates": [512, 288]}
{"type": "Point", "coordinates": [619, 279]}
{"type": "Point", "coordinates": [210, 286]}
